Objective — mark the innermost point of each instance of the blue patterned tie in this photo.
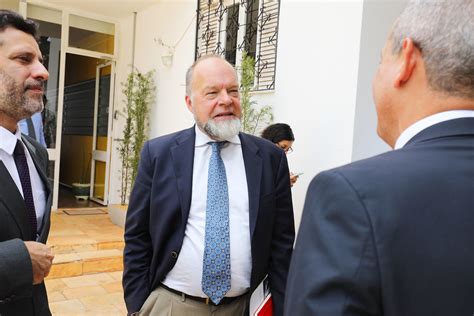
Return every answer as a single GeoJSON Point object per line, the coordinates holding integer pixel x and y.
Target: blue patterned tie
{"type": "Point", "coordinates": [24, 173]}
{"type": "Point", "coordinates": [216, 262]}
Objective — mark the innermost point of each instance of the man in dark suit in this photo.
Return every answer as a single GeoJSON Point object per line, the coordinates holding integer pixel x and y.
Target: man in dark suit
{"type": "Point", "coordinates": [25, 194]}
{"type": "Point", "coordinates": [172, 248]}
{"type": "Point", "coordinates": [393, 234]}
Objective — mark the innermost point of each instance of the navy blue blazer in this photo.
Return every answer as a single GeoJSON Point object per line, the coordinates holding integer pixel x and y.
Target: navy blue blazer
{"type": "Point", "coordinates": [391, 235]}
{"type": "Point", "coordinates": [159, 208]}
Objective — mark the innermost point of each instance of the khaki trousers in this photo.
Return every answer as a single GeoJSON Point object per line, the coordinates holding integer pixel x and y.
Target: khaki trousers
{"type": "Point", "coordinates": [162, 302]}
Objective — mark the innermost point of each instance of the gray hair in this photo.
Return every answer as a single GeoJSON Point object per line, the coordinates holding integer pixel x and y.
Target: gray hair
{"type": "Point", "coordinates": [443, 30]}
{"type": "Point", "coordinates": [189, 72]}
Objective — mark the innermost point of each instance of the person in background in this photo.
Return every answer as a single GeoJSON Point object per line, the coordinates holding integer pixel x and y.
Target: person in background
{"type": "Point", "coordinates": [25, 194]}
{"type": "Point", "coordinates": [281, 135]}
{"type": "Point", "coordinates": [33, 127]}
{"type": "Point", "coordinates": [393, 234]}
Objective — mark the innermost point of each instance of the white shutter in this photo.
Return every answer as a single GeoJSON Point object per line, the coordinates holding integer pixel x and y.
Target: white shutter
{"type": "Point", "coordinates": [208, 32]}
{"type": "Point", "coordinates": [267, 37]}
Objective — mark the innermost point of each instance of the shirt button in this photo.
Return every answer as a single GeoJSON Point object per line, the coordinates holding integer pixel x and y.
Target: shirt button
{"type": "Point", "coordinates": [174, 254]}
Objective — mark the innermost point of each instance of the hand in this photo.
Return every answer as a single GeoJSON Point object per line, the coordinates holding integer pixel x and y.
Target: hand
{"type": "Point", "coordinates": [293, 178]}
{"type": "Point", "coordinates": [41, 260]}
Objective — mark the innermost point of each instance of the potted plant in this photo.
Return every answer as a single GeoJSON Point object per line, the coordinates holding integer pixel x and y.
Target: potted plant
{"type": "Point", "coordinates": [138, 90]}
{"type": "Point", "coordinates": [81, 189]}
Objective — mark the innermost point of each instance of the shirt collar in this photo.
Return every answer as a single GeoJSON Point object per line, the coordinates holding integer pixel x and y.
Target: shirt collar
{"type": "Point", "coordinates": [202, 138]}
{"type": "Point", "coordinates": [426, 122]}
{"type": "Point", "coordinates": [9, 140]}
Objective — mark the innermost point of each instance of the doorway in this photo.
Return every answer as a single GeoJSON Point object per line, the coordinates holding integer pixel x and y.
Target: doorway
{"type": "Point", "coordinates": [85, 144]}
{"type": "Point", "coordinates": [79, 53]}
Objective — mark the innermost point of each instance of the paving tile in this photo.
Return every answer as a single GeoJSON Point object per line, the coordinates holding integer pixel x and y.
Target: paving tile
{"type": "Point", "coordinates": [84, 248]}
{"type": "Point", "coordinates": [65, 270]}
{"type": "Point", "coordinates": [65, 231]}
{"type": "Point", "coordinates": [103, 303]}
{"type": "Point", "coordinates": [53, 285]}
{"type": "Point", "coordinates": [102, 265]}
{"type": "Point", "coordinates": [116, 275]}
{"type": "Point", "coordinates": [84, 291]}
{"type": "Point", "coordinates": [100, 254]}
{"type": "Point", "coordinates": [71, 240]}
{"type": "Point", "coordinates": [69, 306]}
{"type": "Point", "coordinates": [114, 287]}
{"type": "Point", "coordinates": [88, 280]}
{"type": "Point", "coordinates": [56, 297]}
{"type": "Point", "coordinates": [66, 257]}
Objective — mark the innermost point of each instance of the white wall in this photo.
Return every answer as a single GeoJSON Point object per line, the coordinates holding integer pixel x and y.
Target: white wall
{"type": "Point", "coordinates": [378, 17]}
{"type": "Point", "coordinates": [125, 36]}
{"type": "Point", "coordinates": [316, 83]}
{"type": "Point", "coordinates": [167, 20]}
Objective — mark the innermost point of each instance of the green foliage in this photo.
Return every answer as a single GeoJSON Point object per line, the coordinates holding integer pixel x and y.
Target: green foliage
{"type": "Point", "coordinates": [253, 118]}
{"type": "Point", "coordinates": [138, 90]}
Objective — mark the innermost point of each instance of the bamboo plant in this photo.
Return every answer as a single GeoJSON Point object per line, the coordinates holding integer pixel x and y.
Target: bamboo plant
{"type": "Point", "coordinates": [138, 90]}
{"type": "Point", "coordinates": [253, 118]}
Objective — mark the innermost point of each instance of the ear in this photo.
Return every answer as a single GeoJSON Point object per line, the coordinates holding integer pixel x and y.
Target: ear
{"type": "Point", "coordinates": [408, 59]}
{"type": "Point", "coordinates": [189, 103]}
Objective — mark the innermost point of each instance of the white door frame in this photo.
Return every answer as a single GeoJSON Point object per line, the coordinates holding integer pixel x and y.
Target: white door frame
{"type": "Point", "coordinates": [99, 155]}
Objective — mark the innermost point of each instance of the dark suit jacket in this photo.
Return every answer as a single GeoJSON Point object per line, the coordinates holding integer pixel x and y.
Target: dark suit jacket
{"type": "Point", "coordinates": [159, 208]}
{"type": "Point", "coordinates": [391, 235]}
{"type": "Point", "coordinates": [17, 294]}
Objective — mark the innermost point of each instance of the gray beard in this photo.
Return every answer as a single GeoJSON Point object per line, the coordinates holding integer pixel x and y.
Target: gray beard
{"type": "Point", "coordinates": [220, 131]}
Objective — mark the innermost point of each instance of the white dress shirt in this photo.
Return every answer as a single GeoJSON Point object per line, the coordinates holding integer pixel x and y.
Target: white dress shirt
{"type": "Point", "coordinates": [426, 122]}
{"type": "Point", "coordinates": [186, 275]}
{"type": "Point", "coordinates": [7, 146]}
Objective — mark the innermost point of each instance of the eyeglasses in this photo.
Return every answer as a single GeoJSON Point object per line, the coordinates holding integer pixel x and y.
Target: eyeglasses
{"type": "Point", "coordinates": [287, 150]}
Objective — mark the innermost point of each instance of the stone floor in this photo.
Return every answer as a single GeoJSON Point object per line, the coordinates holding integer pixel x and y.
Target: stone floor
{"type": "Point", "coordinates": [93, 294]}
{"type": "Point", "coordinates": [87, 269]}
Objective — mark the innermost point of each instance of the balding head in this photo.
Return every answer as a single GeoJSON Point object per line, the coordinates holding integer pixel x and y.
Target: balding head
{"type": "Point", "coordinates": [190, 72]}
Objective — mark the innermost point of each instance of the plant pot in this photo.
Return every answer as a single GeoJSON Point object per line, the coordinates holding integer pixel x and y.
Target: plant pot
{"type": "Point", "coordinates": [117, 213]}
{"type": "Point", "coordinates": [81, 191]}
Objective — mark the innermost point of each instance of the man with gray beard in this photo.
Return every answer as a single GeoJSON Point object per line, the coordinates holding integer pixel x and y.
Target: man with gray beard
{"type": "Point", "coordinates": [210, 214]}
{"type": "Point", "coordinates": [25, 194]}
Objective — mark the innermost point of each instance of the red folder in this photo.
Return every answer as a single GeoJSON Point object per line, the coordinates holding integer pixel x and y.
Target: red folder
{"type": "Point", "coordinates": [266, 309]}
{"type": "Point", "coordinates": [261, 303]}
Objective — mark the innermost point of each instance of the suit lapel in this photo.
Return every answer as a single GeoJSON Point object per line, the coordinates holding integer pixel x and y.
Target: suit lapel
{"type": "Point", "coordinates": [183, 159]}
{"type": "Point", "coordinates": [13, 201]}
{"type": "Point", "coordinates": [253, 170]}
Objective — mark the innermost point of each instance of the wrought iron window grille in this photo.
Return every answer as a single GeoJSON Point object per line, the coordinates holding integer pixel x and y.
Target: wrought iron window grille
{"type": "Point", "coordinates": [229, 27]}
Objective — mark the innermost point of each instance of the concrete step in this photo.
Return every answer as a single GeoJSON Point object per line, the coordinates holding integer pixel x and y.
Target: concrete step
{"type": "Point", "coordinates": [84, 244]}
{"type": "Point", "coordinates": [86, 262]}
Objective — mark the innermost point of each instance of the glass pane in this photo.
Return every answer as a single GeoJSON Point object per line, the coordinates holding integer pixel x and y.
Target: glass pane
{"type": "Point", "coordinates": [231, 33]}
{"type": "Point", "coordinates": [103, 108]}
{"type": "Point", "coordinates": [10, 5]}
{"type": "Point", "coordinates": [99, 180]}
{"type": "Point", "coordinates": [50, 44]}
{"type": "Point", "coordinates": [91, 34]}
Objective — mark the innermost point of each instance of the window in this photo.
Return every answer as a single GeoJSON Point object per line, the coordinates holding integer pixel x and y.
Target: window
{"type": "Point", "coordinates": [228, 27]}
